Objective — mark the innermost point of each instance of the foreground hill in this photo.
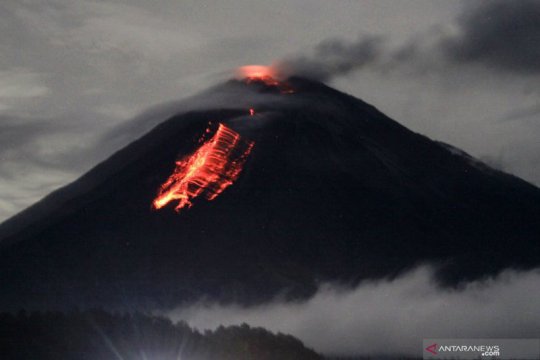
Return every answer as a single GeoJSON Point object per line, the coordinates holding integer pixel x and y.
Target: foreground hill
{"type": "Point", "coordinates": [100, 335]}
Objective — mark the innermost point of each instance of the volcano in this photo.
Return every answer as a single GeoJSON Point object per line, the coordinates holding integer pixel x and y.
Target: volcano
{"type": "Point", "coordinates": [331, 189]}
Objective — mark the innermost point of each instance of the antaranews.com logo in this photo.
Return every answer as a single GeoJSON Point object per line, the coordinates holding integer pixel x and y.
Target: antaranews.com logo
{"type": "Point", "coordinates": [484, 350]}
{"type": "Point", "coordinates": [481, 348]}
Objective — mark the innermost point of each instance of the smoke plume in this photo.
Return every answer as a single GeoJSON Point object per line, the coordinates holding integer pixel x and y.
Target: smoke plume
{"type": "Point", "coordinates": [333, 57]}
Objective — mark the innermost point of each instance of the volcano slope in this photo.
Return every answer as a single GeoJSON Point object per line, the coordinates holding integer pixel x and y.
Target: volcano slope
{"type": "Point", "coordinates": [333, 190]}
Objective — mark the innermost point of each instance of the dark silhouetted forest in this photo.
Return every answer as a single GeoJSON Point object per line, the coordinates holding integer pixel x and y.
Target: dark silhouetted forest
{"type": "Point", "coordinates": [99, 335]}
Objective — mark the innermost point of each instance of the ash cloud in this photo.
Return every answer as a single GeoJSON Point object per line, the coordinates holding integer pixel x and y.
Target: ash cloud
{"type": "Point", "coordinates": [334, 57]}
{"type": "Point", "coordinates": [391, 316]}
{"type": "Point", "coordinates": [498, 33]}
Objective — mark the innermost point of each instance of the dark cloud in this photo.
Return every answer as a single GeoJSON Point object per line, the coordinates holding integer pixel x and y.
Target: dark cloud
{"type": "Point", "coordinates": [523, 113]}
{"type": "Point", "coordinates": [334, 57]}
{"type": "Point", "coordinates": [498, 33]}
{"type": "Point", "coordinates": [16, 132]}
{"type": "Point", "coordinates": [37, 155]}
{"type": "Point", "coordinates": [36, 142]}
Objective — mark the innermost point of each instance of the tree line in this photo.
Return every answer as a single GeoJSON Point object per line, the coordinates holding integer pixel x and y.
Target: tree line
{"type": "Point", "coordinates": [101, 335]}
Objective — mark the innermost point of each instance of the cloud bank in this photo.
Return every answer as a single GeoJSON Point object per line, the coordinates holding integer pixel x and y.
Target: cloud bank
{"type": "Point", "coordinates": [391, 316]}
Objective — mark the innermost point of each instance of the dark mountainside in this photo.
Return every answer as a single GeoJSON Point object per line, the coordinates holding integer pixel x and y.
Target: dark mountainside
{"type": "Point", "coordinates": [95, 334]}
{"type": "Point", "coordinates": [333, 191]}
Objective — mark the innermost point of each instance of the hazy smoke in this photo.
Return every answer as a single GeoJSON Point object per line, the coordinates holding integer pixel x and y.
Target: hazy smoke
{"type": "Point", "coordinates": [333, 57]}
{"type": "Point", "coordinates": [392, 316]}
{"type": "Point", "coordinates": [498, 33]}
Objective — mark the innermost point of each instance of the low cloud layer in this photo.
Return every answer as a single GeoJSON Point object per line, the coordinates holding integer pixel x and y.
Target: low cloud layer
{"type": "Point", "coordinates": [391, 316]}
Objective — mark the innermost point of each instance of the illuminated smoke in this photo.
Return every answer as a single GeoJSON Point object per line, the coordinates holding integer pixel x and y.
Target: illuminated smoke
{"type": "Point", "coordinates": [265, 74]}
{"type": "Point", "coordinates": [213, 167]}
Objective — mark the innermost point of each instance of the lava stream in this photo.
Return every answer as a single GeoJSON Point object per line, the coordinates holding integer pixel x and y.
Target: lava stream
{"type": "Point", "coordinates": [213, 167]}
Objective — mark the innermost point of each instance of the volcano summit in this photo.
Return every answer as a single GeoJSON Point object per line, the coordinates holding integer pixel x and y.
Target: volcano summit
{"type": "Point", "coordinates": [320, 186]}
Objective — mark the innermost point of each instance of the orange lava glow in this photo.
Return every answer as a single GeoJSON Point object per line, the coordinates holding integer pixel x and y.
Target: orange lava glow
{"type": "Point", "coordinates": [265, 74]}
{"type": "Point", "coordinates": [213, 167]}
{"type": "Point", "coordinates": [256, 72]}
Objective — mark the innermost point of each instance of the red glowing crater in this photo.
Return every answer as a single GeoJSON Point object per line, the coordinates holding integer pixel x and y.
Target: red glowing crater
{"type": "Point", "coordinates": [265, 74]}
{"type": "Point", "coordinates": [213, 167]}
{"type": "Point", "coordinates": [256, 72]}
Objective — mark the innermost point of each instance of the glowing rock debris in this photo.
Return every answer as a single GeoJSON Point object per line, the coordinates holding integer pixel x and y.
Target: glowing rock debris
{"type": "Point", "coordinates": [213, 167]}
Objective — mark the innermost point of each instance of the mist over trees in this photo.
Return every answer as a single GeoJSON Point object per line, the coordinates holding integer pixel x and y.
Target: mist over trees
{"type": "Point", "coordinates": [96, 334]}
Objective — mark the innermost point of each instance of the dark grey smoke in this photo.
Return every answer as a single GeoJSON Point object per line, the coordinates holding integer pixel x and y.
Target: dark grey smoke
{"type": "Point", "coordinates": [499, 33]}
{"type": "Point", "coordinates": [334, 57]}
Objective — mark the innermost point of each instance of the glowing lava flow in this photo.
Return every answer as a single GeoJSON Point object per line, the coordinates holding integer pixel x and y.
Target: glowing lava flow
{"type": "Point", "coordinates": [213, 167]}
